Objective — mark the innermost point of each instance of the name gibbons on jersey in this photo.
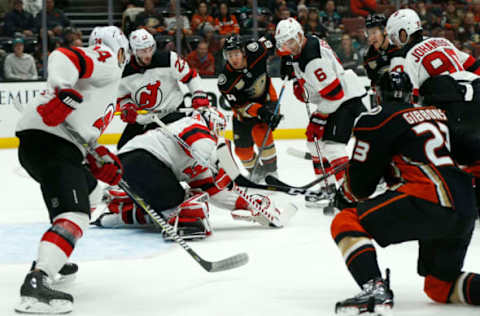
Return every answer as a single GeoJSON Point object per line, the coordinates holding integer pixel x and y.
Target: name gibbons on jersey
{"type": "Point", "coordinates": [418, 116]}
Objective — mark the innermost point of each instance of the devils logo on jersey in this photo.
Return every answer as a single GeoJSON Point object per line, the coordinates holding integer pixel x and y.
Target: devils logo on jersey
{"type": "Point", "coordinates": [149, 96]}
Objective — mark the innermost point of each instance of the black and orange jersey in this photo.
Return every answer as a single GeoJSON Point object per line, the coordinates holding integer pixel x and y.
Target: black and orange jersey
{"type": "Point", "coordinates": [251, 85]}
{"type": "Point", "coordinates": [377, 61]}
{"type": "Point", "coordinates": [410, 145]}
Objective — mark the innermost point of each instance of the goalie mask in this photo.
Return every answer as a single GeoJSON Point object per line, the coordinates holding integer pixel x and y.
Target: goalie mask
{"type": "Point", "coordinates": [394, 86]}
{"type": "Point", "coordinates": [214, 119]}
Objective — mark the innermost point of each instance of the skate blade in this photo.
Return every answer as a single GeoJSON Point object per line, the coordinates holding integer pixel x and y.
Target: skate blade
{"type": "Point", "coordinates": [64, 279]}
{"type": "Point", "coordinates": [31, 305]}
{"type": "Point", "coordinates": [380, 310]}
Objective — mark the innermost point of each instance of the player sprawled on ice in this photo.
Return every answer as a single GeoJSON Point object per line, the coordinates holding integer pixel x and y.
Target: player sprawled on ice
{"type": "Point", "coordinates": [322, 81]}
{"type": "Point", "coordinates": [151, 82]}
{"type": "Point", "coordinates": [81, 90]}
{"type": "Point", "coordinates": [430, 199]}
{"type": "Point", "coordinates": [445, 77]}
{"type": "Point", "coordinates": [156, 163]}
{"type": "Point", "coordinates": [248, 88]}
{"type": "Point", "coordinates": [378, 55]}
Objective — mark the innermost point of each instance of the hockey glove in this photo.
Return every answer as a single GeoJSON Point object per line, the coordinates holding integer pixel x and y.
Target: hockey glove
{"type": "Point", "coordinates": [266, 115]}
{"type": "Point", "coordinates": [316, 126]}
{"type": "Point", "coordinates": [107, 168]}
{"type": "Point", "coordinates": [129, 113]}
{"type": "Point", "coordinates": [298, 90]}
{"type": "Point", "coordinates": [56, 110]}
{"type": "Point", "coordinates": [341, 201]}
{"type": "Point", "coordinates": [200, 99]}
{"type": "Point", "coordinates": [286, 68]}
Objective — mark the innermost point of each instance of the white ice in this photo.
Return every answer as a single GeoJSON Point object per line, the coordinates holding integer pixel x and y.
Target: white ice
{"type": "Point", "coordinates": [296, 270]}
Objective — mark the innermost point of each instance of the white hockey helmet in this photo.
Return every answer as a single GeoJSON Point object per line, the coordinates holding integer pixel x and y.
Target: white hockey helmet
{"type": "Point", "coordinates": [403, 19]}
{"type": "Point", "coordinates": [141, 39]}
{"type": "Point", "coordinates": [112, 37]}
{"type": "Point", "coordinates": [286, 30]}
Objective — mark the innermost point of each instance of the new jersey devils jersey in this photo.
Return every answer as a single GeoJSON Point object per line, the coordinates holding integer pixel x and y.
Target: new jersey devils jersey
{"type": "Point", "coordinates": [251, 84]}
{"type": "Point", "coordinates": [93, 72]}
{"type": "Point", "coordinates": [156, 87]}
{"type": "Point", "coordinates": [410, 147]}
{"type": "Point", "coordinates": [432, 57]}
{"type": "Point", "coordinates": [325, 82]}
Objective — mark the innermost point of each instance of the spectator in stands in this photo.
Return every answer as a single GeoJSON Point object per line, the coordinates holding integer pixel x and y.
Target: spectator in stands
{"type": "Point", "coordinates": [226, 23]}
{"type": "Point", "coordinates": [32, 6]}
{"type": "Point", "coordinates": [348, 56]}
{"type": "Point", "coordinates": [150, 19]}
{"type": "Point", "coordinates": [70, 35]}
{"type": "Point", "coordinates": [363, 7]}
{"type": "Point", "coordinates": [330, 17]}
{"type": "Point", "coordinates": [281, 12]}
{"type": "Point", "coordinates": [171, 21]}
{"type": "Point", "coordinates": [56, 20]}
{"type": "Point", "coordinates": [201, 17]}
{"type": "Point", "coordinates": [19, 65]}
{"type": "Point", "coordinates": [4, 8]}
{"type": "Point", "coordinates": [18, 20]}
{"type": "Point", "coordinates": [453, 16]}
{"type": "Point", "coordinates": [469, 29]}
{"type": "Point", "coordinates": [302, 14]}
{"type": "Point", "coordinates": [313, 26]}
{"type": "Point", "coordinates": [201, 60]}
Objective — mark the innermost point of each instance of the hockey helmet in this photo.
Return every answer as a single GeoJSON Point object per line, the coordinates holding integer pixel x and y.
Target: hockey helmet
{"type": "Point", "coordinates": [403, 19]}
{"type": "Point", "coordinates": [113, 38]}
{"type": "Point", "coordinates": [394, 86]}
{"type": "Point", "coordinates": [374, 20]}
{"type": "Point", "coordinates": [140, 40]}
{"type": "Point", "coordinates": [232, 42]}
{"type": "Point", "coordinates": [287, 30]}
{"type": "Point", "coordinates": [215, 119]}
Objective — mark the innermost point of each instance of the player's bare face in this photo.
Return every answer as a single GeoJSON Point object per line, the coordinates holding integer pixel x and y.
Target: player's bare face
{"type": "Point", "coordinates": [144, 55]}
{"type": "Point", "coordinates": [236, 59]}
{"type": "Point", "coordinates": [292, 47]}
{"type": "Point", "coordinates": [375, 37]}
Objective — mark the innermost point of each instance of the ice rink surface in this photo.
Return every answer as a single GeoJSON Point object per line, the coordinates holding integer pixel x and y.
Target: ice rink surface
{"type": "Point", "coordinates": [296, 270]}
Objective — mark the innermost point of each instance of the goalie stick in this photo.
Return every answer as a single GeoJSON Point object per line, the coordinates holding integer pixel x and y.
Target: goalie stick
{"type": "Point", "coordinates": [299, 153]}
{"type": "Point", "coordinates": [210, 266]}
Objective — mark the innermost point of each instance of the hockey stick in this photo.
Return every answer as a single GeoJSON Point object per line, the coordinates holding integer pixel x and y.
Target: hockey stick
{"type": "Point", "coordinates": [228, 164]}
{"type": "Point", "coordinates": [276, 220]}
{"type": "Point", "coordinates": [143, 112]}
{"type": "Point", "coordinates": [299, 153]}
{"type": "Point", "coordinates": [210, 266]}
{"type": "Point", "coordinates": [275, 181]}
{"type": "Point", "coordinates": [260, 151]}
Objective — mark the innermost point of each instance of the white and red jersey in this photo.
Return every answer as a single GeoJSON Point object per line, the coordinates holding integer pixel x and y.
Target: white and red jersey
{"type": "Point", "coordinates": [93, 72]}
{"type": "Point", "coordinates": [326, 83]}
{"type": "Point", "coordinates": [435, 56]}
{"type": "Point", "coordinates": [156, 87]}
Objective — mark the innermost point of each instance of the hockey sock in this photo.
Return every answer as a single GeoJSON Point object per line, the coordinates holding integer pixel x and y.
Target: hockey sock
{"type": "Point", "coordinates": [59, 241]}
{"type": "Point", "coordinates": [269, 158]}
{"type": "Point", "coordinates": [356, 246]}
{"type": "Point", "coordinates": [247, 156]}
{"type": "Point", "coordinates": [467, 289]}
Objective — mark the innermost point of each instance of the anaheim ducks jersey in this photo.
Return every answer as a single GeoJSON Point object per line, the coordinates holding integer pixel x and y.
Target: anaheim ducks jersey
{"type": "Point", "coordinates": [377, 61]}
{"type": "Point", "coordinates": [252, 84]}
{"type": "Point", "coordinates": [410, 147]}
{"type": "Point", "coordinates": [432, 57]}
{"type": "Point", "coordinates": [95, 74]}
{"type": "Point", "coordinates": [156, 87]}
{"type": "Point", "coordinates": [326, 83]}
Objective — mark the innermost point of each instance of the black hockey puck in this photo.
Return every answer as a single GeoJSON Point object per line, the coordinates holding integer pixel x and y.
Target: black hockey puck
{"type": "Point", "coordinates": [329, 210]}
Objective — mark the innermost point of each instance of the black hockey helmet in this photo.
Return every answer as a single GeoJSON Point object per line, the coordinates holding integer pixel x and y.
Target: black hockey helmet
{"type": "Point", "coordinates": [232, 42]}
{"type": "Point", "coordinates": [374, 20]}
{"type": "Point", "coordinates": [394, 86]}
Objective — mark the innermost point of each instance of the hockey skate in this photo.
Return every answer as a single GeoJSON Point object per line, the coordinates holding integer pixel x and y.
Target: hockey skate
{"type": "Point", "coordinates": [37, 297]}
{"type": "Point", "coordinates": [375, 299]}
{"type": "Point", "coordinates": [67, 273]}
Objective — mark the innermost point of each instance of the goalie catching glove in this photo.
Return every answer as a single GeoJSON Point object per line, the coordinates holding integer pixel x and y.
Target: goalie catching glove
{"type": "Point", "coordinates": [57, 109]}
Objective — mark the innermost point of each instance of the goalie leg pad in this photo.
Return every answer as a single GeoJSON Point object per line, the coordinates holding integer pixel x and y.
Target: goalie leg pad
{"type": "Point", "coordinates": [191, 218]}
